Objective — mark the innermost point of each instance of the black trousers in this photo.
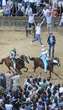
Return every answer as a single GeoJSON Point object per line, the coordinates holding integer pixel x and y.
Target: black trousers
{"type": "Point", "coordinates": [51, 51]}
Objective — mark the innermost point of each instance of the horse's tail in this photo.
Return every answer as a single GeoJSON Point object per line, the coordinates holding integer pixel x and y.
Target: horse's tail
{"type": "Point", "coordinates": [2, 61]}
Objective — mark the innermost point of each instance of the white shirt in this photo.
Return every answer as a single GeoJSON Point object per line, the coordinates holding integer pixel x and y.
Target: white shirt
{"type": "Point", "coordinates": [23, 9]}
{"type": "Point", "coordinates": [31, 19]}
{"type": "Point", "coordinates": [29, 11]}
{"type": "Point", "coordinates": [38, 29]}
{"type": "Point", "coordinates": [47, 16]}
{"type": "Point", "coordinates": [61, 90]}
{"type": "Point", "coordinates": [26, 1]}
{"type": "Point", "coordinates": [44, 12]}
{"type": "Point", "coordinates": [10, 3]}
{"type": "Point", "coordinates": [3, 2]}
{"type": "Point", "coordinates": [32, 1]}
{"type": "Point", "coordinates": [8, 106]}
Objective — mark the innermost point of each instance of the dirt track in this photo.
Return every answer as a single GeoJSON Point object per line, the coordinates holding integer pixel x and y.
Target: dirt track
{"type": "Point", "coordinates": [17, 39]}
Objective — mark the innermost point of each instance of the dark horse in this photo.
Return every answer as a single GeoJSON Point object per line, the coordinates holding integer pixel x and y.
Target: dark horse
{"type": "Point", "coordinates": [51, 63]}
{"type": "Point", "coordinates": [20, 63]}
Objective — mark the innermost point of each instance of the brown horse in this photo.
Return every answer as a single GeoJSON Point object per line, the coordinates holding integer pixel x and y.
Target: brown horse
{"type": "Point", "coordinates": [39, 63]}
{"type": "Point", "coordinates": [20, 63]}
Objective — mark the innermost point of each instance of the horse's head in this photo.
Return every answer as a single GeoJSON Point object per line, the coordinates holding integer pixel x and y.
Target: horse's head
{"type": "Point", "coordinates": [24, 58]}
{"type": "Point", "coordinates": [31, 58]}
{"type": "Point", "coordinates": [56, 61]}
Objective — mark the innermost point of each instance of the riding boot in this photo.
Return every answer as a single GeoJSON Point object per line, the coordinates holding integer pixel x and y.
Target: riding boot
{"type": "Point", "coordinates": [45, 67]}
{"type": "Point", "coordinates": [14, 65]}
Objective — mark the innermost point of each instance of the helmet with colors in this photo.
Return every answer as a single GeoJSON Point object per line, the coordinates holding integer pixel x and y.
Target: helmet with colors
{"type": "Point", "coordinates": [14, 50]}
{"type": "Point", "coordinates": [44, 49]}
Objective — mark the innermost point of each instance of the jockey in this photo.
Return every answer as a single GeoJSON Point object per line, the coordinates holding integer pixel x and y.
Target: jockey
{"type": "Point", "coordinates": [12, 56]}
{"type": "Point", "coordinates": [44, 57]}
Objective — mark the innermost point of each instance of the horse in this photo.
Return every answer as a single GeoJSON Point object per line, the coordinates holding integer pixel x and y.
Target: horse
{"type": "Point", "coordinates": [51, 63]}
{"type": "Point", "coordinates": [20, 63]}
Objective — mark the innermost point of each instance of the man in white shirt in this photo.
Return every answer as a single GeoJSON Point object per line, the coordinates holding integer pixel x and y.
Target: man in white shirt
{"type": "Point", "coordinates": [38, 32]}
{"type": "Point", "coordinates": [8, 106]}
{"type": "Point", "coordinates": [31, 20]}
{"type": "Point", "coordinates": [48, 15]}
{"type": "Point", "coordinates": [3, 3]}
{"type": "Point", "coordinates": [28, 11]}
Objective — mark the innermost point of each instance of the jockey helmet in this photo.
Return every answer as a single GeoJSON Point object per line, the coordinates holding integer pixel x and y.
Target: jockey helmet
{"type": "Point", "coordinates": [14, 49]}
{"type": "Point", "coordinates": [44, 49]}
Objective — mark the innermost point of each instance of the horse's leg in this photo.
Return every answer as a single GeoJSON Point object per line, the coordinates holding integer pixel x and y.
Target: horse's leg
{"type": "Point", "coordinates": [49, 75]}
{"type": "Point", "coordinates": [9, 69]}
{"type": "Point", "coordinates": [34, 70]}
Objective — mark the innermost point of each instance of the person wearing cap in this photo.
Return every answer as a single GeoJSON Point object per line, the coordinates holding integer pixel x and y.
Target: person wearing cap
{"type": "Point", "coordinates": [12, 56]}
{"type": "Point", "coordinates": [51, 42]}
{"type": "Point", "coordinates": [44, 57]}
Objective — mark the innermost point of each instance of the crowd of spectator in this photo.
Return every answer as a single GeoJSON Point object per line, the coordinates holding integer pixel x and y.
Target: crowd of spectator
{"type": "Point", "coordinates": [31, 7]}
{"type": "Point", "coordinates": [37, 94]}
{"type": "Point", "coordinates": [18, 8]}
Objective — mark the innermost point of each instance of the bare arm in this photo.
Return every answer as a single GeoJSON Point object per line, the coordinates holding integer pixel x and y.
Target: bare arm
{"type": "Point", "coordinates": [42, 21]}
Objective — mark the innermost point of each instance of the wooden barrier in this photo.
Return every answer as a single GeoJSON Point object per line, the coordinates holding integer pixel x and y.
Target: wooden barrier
{"type": "Point", "coordinates": [12, 22]}
{"type": "Point", "coordinates": [15, 23]}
